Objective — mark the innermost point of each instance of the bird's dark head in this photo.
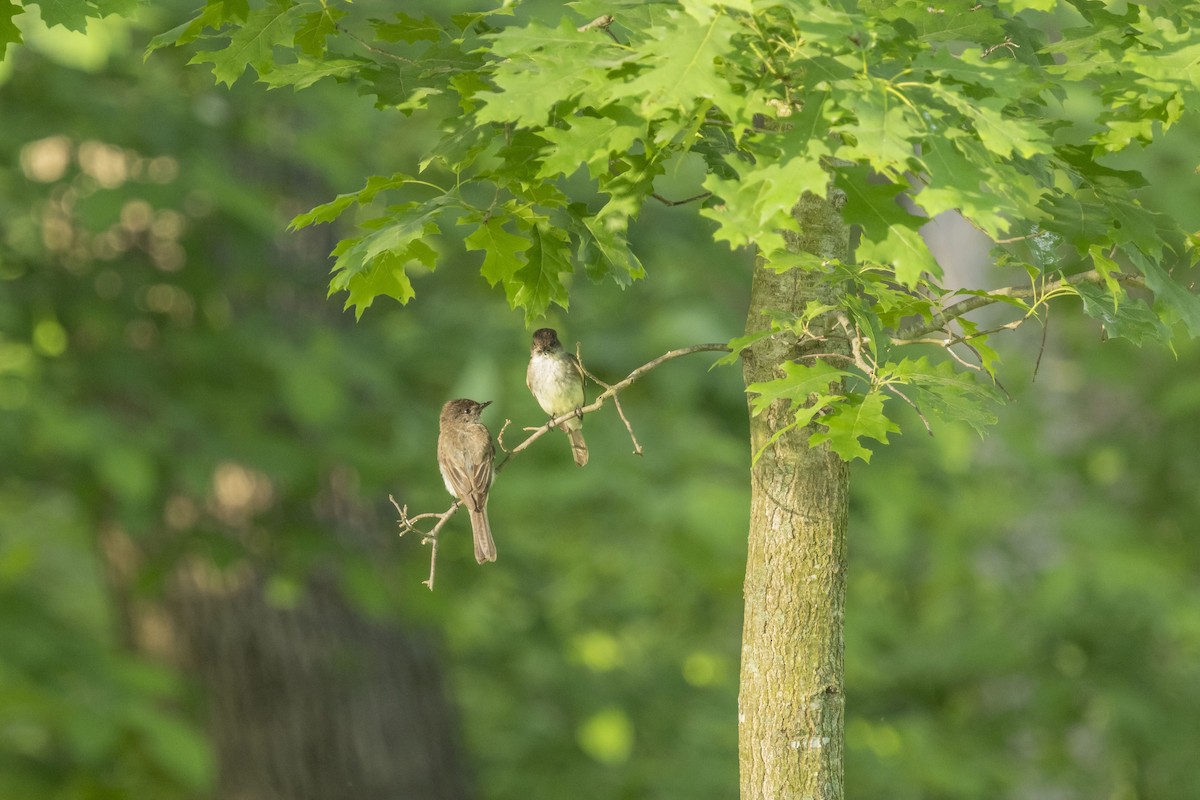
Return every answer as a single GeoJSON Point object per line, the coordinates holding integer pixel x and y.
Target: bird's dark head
{"type": "Point", "coordinates": [463, 410]}
{"type": "Point", "coordinates": [545, 340]}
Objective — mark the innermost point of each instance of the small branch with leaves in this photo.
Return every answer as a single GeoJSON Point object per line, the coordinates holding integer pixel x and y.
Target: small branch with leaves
{"type": "Point", "coordinates": [409, 523]}
{"type": "Point", "coordinates": [1038, 292]}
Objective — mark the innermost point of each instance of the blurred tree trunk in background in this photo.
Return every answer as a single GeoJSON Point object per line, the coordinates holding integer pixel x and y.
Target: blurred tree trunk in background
{"type": "Point", "coordinates": [790, 704]}
{"type": "Point", "coordinates": [306, 697]}
{"type": "Point", "coordinates": [316, 702]}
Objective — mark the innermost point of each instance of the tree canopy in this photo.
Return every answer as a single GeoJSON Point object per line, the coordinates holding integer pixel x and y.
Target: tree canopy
{"type": "Point", "coordinates": [555, 129]}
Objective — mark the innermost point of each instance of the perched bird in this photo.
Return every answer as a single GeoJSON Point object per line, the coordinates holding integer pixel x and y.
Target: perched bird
{"type": "Point", "coordinates": [465, 454]}
{"type": "Point", "coordinates": [556, 381]}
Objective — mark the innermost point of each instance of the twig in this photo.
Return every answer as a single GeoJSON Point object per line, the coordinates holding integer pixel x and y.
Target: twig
{"type": "Point", "coordinates": [915, 408]}
{"type": "Point", "coordinates": [855, 345]}
{"type": "Point", "coordinates": [1037, 365]}
{"type": "Point", "coordinates": [685, 201]}
{"type": "Point", "coordinates": [1013, 239]}
{"type": "Point", "coordinates": [637, 448]}
{"type": "Point", "coordinates": [500, 435]}
{"type": "Point", "coordinates": [912, 334]}
{"type": "Point", "coordinates": [408, 524]}
{"type": "Point", "coordinates": [373, 48]}
{"type": "Point", "coordinates": [604, 23]}
{"type": "Point", "coordinates": [947, 344]}
{"type": "Point", "coordinates": [1008, 42]}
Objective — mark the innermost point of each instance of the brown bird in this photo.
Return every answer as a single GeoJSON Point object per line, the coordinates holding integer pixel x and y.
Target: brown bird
{"type": "Point", "coordinates": [465, 454]}
{"type": "Point", "coordinates": [556, 381]}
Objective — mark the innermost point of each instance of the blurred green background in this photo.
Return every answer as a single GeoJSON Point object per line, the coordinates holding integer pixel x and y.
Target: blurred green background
{"type": "Point", "coordinates": [202, 593]}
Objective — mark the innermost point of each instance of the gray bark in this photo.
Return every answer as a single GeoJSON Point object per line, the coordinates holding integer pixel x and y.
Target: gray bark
{"type": "Point", "coordinates": [790, 702]}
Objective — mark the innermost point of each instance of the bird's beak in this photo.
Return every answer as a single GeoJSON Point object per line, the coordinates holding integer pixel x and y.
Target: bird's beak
{"type": "Point", "coordinates": [484, 404]}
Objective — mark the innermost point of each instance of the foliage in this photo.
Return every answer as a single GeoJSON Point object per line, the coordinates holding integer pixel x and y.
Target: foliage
{"type": "Point", "coordinates": [556, 131]}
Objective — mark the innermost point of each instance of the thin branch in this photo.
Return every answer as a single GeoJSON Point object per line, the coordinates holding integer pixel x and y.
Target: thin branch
{"type": "Point", "coordinates": [1008, 43]}
{"type": "Point", "coordinates": [500, 435]}
{"type": "Point", "coordinates": [1014, 239]}
{"type": "Point", "coordinates": [637, 448]}
{"type": "Point", "coordinates": [409, 524]}
{"type": "Point", "coordinates": [1037, 365]}
{"type": "Point", "coordinates": [915, 407]}
{"type": "Point", "coordinates": [965, 338]}
{"type": "Point", "coordinates": [912, 334]}
{"type": "Point", "coordinates": [842, 356]}
{"type": "Point", "coordinates": [959, 358]}
{"type": "Point", "coordinates": [604, 23]}
{"type": "Point", "coordinates": [373, 48]}
{"type": "Point", "coordinates": [855, 345]}
{"type": "Point", "coordinates": [685, 201]}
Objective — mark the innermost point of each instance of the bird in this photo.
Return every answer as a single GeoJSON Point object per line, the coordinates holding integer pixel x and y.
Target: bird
{"type": "Point", "coordinates": [555, 379]}
{"type": "Point", "coordinates": [465, 455]}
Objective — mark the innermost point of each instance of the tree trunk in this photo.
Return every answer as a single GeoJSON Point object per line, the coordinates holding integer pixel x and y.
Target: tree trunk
{"type": "Point", "coordinates": [790, 702]}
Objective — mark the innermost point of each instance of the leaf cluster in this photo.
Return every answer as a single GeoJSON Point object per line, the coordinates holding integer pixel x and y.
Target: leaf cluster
{"type": "Point", "coordinates": [554, 131]}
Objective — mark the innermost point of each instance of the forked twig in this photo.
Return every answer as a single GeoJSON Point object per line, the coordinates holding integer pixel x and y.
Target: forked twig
{"type": "Point", "coordinates": [408, 525]}
{"type": "Point", "coordinates": [637, 448]}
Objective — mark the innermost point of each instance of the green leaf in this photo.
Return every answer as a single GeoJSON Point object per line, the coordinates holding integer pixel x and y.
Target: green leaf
{"type": "Point", "coordinates": [502, 250]}
{"type": "Point", "coordinates": [408, 29]}
{"type": "Point", "coordinates": [1014, 7]}
{"type": "Point", "coordinates": [382, 276]}
{"type": "Point", "coordinates": [1177, 302]}
{"type": "Point", "coordinates": [1000, 77]}
{"type": "Point", "coordinates": [328, 212]}
{"type": "Point", "coordinates": [890, 234]}
{"type": "Point", "coordinates": [374, 264]}
{"type": "Point", "coordinates": [799, 381]}
{"type": "Point", "coordinates": [884, 127]}
{"type": "Point", "coordinates": [740, 343]}
{"type": "Point", "coordinates": [406, 85]}
{"type": "Point", "coordinates": [71, 14]}
{"type": "Point", "coordinates": [540, 282]}
{"type": "Point", "coordinates": [681, 59]}
{"type": "Point", "coordinates": [253, 43]}
{"type": "Point", "coordinates": [315, 28]}
{"type": "Point", "coordinates": [858, 417]}
{"type": "Point", "coordinates": [951, 394]}
{"type": "Point", "coordinates": [306, 72]}
{"type": "Point", "coordinates": [948, 20]}
{"type": "Point", "coordinates": [760, 202]}
{"type": "Point", "coordinates": [590, 140]}
{"type": "Point", "coordinates": [9, 32]}
{"type": "Point", "coordinates": [977, 341]}
{"type": "Point", "coordinates": [959, 183]}
{"type": "Point", "coordinates": [1123, 317]}
{"type": "Point", "coordinates": [604, 247]}
{"type": "Point", "coordinates": [541, 68]}
{"type": "Point", "coordinates": [1108, 270]}
{"type": "Point", "coordinates": [1002, 130]}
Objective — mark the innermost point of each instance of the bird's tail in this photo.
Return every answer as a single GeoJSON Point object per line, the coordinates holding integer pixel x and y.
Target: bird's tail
{"type": "Point", "coordinates": [578, 447]}
{"type": "Point", "coordinates": [485, 546]}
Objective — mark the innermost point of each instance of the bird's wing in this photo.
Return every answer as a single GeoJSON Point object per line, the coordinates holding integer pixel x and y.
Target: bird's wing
{"type": "Point", "coordinates": [478, 479]}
